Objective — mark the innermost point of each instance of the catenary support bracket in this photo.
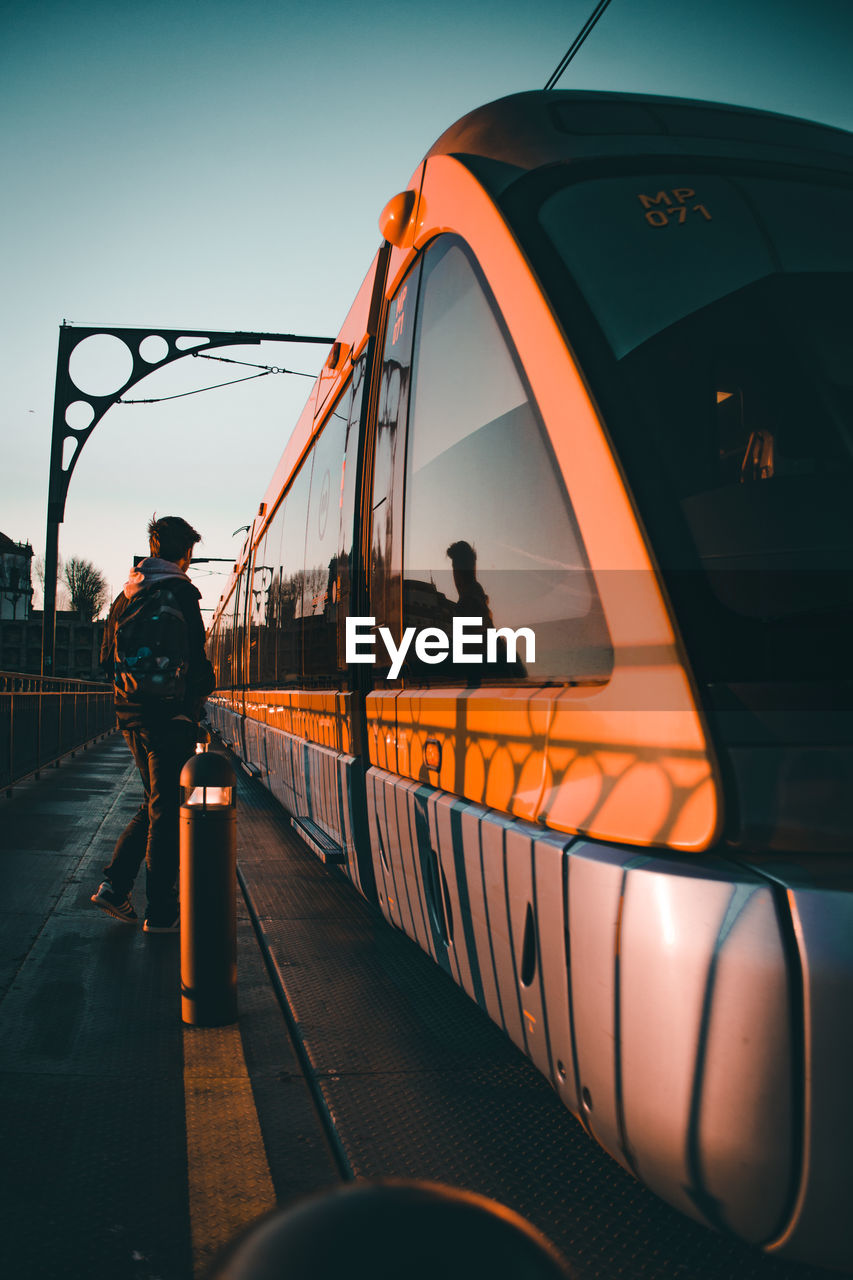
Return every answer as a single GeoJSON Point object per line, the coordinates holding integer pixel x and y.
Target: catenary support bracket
{"type": "Point", "coordinates": [76, 414]}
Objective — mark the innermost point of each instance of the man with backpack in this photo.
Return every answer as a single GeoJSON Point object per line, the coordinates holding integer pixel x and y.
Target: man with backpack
{"type": "Point", "coordinates": [154, 648]}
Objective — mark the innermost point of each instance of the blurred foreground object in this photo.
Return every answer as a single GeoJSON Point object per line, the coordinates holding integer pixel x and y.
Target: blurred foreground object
{"type": "Point", "coordinates": [386, 1229]}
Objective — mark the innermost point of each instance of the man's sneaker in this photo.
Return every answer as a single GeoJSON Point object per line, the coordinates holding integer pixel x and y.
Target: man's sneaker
{"type": "Point", "coordinates": [115, 904]}
{"type": "Point", "coordinates": [162, 921]}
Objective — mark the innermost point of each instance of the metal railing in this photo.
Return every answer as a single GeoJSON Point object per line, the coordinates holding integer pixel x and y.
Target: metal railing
{"type": "Point", "coordinates": [43, 718]}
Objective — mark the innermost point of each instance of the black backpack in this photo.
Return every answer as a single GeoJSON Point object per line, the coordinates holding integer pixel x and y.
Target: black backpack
{"type": "Point", "coordinates": [151, 649]}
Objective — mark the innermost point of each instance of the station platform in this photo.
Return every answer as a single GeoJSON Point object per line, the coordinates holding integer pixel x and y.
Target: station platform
{"type": "Point", "coordinates": [133, 1146]}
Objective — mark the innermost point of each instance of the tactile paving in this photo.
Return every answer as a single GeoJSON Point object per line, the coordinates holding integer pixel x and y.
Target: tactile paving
{"type": "Point", "coordinates": [230, 1185]}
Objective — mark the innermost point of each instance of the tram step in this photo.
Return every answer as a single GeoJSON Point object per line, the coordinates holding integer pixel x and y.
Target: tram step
{"type": "Point", "coordinates": [322, 844]}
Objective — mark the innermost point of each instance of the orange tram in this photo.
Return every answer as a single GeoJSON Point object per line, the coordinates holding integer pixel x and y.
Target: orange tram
{"type": "Point", "coordinates": [541, 631]}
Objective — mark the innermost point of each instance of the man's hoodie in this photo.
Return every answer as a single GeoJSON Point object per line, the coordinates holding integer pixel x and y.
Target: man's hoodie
{"type": "Point", "coordinates": [148, 714]}
{"type": "Point", "coordinates": [153, 572]}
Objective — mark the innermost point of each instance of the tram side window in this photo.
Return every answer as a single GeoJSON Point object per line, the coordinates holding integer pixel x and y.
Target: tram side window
{"type": "Point", "coordinates": [213, 648]}
{"type": "Point", "coordinates": [225, 646]}
{"type": "Point", "coordinates": [261, 611]}
{"type": "Point", "coordinates": [291, 579]}
{"type": "Point", "coordinates": [216, 645]}
{"type": "Point", "coordinates": [347, 588]}
{"type": "Point", "coordinates": [267, 593]}
{"type": "Point", "coordinates": [239, 632]}
{"type": "Point", "coordinates": [254, 616]}
{"type": "Point", "coordinates": [489, 533]}
{"type": "Point", "coordinates": [320, 587]}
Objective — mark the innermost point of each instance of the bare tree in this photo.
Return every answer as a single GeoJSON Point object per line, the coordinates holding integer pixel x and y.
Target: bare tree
{"type": "Point", "coordinates": [87, 587]}
{"type": "Point", "coordinates": [61, 593]}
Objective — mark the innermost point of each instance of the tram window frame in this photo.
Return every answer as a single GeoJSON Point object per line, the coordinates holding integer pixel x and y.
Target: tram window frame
{"type": "Point", "coordinates": [217, 647]}
{"type": "Point", "coordinates": [225, 644]}
{"type": "Point", "coordinates": [269, 675]}
{"type": "Point", "coordinates": [260, 602]}
{"type": "Point", "coordinates": [350, 584]}
{"type": "Point", "coordinates": [212, 643]}
{"type": "Point", "coordinates": [384, 566]}
{"type": "Point", "coordinates": [253, 629]}
{"type": "Point", "coordinates": [329, 674]}
{"type": "Point", "coordinates": [589, 656]}
{"type": "Point", "coordinates": [268, 557]}
{"type": "Point", "coordinates": [289, 676]}
{"type": "Point", "coordinates": [238, 662]}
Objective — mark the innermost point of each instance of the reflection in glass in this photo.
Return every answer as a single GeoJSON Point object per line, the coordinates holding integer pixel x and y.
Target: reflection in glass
{"type": "Point", "coordinates": [488, 530]}
{"type": "Point", "coordinates": [319, 589]}
{"type": "Point", "coordinates": [385, 540]}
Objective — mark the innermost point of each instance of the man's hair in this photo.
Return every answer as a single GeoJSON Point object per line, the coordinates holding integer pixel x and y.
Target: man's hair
{"type": "Point", "coordinates": [170, 537]}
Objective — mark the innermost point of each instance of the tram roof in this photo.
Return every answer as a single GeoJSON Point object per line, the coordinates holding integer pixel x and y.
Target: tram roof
{"type": "Point", "coordinates": [508, 137]}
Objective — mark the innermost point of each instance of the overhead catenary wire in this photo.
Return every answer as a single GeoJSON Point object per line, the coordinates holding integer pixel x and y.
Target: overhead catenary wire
{"type": "Point", "coordinates": [577, 42]}
{"type": "Point", "coordinates": [179, 395]}
{"type": "Point", "coordinates": [265, 369]}
{"type": "Point", "coordinates": [268, 368]}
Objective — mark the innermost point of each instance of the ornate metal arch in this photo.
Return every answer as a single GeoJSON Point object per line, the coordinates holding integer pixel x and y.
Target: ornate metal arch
{"type": "Point", "coordinates": [67, 395]}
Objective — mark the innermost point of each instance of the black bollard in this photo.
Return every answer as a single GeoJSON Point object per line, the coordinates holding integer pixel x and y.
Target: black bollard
{"type": "Point", "coordinates": [208, 891]}
{"type": "Point", "coordinates": [387, 1229]}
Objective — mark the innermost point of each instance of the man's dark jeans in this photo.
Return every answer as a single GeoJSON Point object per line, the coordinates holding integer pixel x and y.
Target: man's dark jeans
{"type": "Point", "coordinates": [152, 833]}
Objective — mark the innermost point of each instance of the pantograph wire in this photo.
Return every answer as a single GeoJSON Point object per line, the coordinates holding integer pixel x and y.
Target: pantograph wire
{"type": "Point", "coordinates": [266, 369]}
{"type": "Point", "coordinates": [577, 42]}
{"type": "Point", "coordinates": [180, 394]}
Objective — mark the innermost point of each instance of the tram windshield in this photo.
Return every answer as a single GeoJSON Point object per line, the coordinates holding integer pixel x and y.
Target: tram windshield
{"type": "Point", "coordinates": [728, 304]}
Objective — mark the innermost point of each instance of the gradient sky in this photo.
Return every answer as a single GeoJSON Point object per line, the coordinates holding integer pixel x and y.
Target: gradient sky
{"type": "Point", "coordinates": [186, 164]}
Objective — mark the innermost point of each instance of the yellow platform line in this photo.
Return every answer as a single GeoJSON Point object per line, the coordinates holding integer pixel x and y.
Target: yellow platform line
{"type": "Point", "coordinates": [228, 1175]}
